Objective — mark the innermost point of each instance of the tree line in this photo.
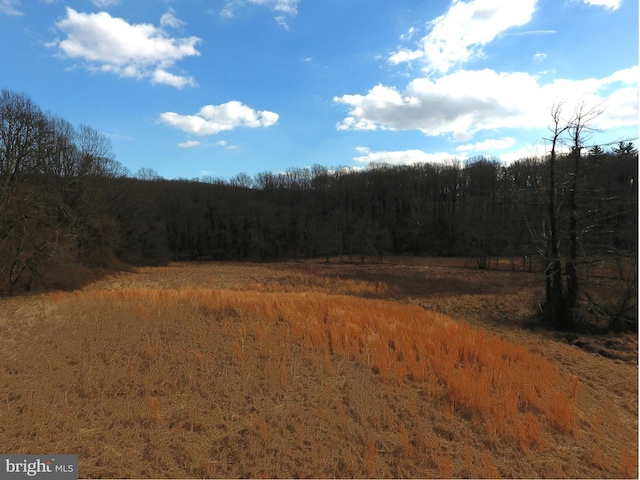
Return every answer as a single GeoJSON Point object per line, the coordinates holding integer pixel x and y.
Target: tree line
{"type": "Point", "coordinates": [67, 204]}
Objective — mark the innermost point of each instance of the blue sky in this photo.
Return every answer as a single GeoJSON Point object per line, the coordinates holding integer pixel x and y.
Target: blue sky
{"type": "Point", "coordinates": [218, 87]}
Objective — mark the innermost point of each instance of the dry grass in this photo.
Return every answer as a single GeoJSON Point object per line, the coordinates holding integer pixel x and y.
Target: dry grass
{"type": "Point", "coordinates": [274, 371]}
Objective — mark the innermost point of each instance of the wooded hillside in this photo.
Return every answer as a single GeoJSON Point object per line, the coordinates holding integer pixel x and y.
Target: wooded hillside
{"type": "Point", "coordinates": [67, 204]}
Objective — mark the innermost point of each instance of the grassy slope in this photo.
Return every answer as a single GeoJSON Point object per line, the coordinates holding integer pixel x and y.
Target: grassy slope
{"type": "Point", "coordinates": [163, 374]}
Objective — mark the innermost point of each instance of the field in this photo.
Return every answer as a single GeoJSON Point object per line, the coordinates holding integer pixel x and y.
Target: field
{"type": "Point", "coordinates": [403, 368]}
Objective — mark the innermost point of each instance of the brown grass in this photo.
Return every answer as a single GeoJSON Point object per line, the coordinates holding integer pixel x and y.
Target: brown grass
{"type": "Point", "coordinates": [208, 371]}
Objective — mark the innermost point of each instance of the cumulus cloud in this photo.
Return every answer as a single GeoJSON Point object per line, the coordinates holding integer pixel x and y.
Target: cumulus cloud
{"type": "Point", "coordinates": [212, 119]}
{"type": "Point", "coordinates": [10, 7]}
{"type": "Point", "coordinates": [110, 44]}
{"type": "Point", "coordinates": [527, 151]}
{"type": "Point", "coordinates": [405, 55]}
{"type": "Point", "coordinates": [451, 101]}
{"type": "Point", "coordinates": [459, 35]}
{"type": "Point", "coordinates": [488, 145]}
{"type": "Point", "coordinates": [447, 105]}
{"type": "Point", "coordinates": [413, 156]}
{"type": "Point", "coordinates": [404, 157]}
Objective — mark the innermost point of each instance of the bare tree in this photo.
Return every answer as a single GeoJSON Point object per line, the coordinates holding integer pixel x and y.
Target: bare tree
{"type": "Point", "coordinates": [24, 213]}
{"type": "Point", "coordinates": [567, 205]}
{"type": "Point", "coordinates": [554, 309]}
{"type": "Point", "coordinates": [579, 132]}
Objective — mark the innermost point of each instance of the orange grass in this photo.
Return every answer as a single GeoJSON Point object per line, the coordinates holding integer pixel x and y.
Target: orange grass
{"type": "Point", "coordinates": [320, 284]}
{"type": "Point", "coordinates": [175, 365]}
{"type": "Point", "coordinates": [485, 378]}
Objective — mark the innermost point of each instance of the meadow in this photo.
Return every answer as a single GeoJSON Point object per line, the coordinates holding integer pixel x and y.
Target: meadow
{"type": "Point", "coordinates": [407, 368]}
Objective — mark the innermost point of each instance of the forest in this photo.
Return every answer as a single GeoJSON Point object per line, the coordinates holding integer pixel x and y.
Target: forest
{"type": "Point", "coordinates": [68, 208]}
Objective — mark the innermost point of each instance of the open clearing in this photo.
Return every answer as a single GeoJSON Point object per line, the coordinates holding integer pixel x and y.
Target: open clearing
{"type": "Point", "coordinates": [403, 368]}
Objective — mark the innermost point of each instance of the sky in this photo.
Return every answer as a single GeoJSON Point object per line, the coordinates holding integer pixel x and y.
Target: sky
{"type": "Point", "coordinates": [214, 88]}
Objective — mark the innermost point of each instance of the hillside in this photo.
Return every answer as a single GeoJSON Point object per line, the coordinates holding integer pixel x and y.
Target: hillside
{"type": "Point", "coordinates": [412, 368]}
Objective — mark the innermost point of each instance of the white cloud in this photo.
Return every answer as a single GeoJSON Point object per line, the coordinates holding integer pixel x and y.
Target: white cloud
{"type": "Point", "coordinates": [459, 35]}
{"type": "Point", "coordinates": [539, 150]}
{"type": "Point", "coordinates": [540, 56]}
{"type": "Point", "coordinates": [405, 157]}
{"type": "Point", "coordinates": [488, 145]}
{"type": "Point", "coordinates": [160, 75]}
{"type": "Point", "coordinates": [189, 144]}
{"type": "Point", "coordinates": [110, 44]}
{"type": "Point", "coordinates": [620, 94]}
{"type": "Point", "coordinates": [529, 151]}
{"type": "Point", "coordinates": [529, 33]}
{"type": "Point", "coordinates": [10, 7]}
{"type": "Point", "coordinates": [447, 105]}
{"type": "Point", "coordinates": [225, 144]}
{"type": "Point", "coordinates": [413, 156]}
{"type": "Point", "coordinates": [212, 119]}
{"type": "Point", "coordinates": [284, 9]}
{"type": "Point", "coordinates": [287, 7]}
{"type": "Point", "coordinates": [627, 76]}
{"type": "Point", "coordinates": [410, 33]}
{"type": "Point", "coordinates": [227, 11]}
{"type": "Point", "coordinates": [169, 19]}
{"type": "Point", "coordinates": [282, 21]}
{"type": "Point", "coordinates": [105, 3]}
{"type": "Point", "coordinates": [410, 157]}
{"type": "Point", "coordinates": [405, 55]}
{"type": "Point", "coordinates": [610, 4]}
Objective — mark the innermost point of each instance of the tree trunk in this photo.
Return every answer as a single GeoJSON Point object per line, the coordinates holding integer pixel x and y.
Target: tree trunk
{"type": "Point", "coordinates": [555, 309]}
{"type": "Point", "coordinates": [572, 270]}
